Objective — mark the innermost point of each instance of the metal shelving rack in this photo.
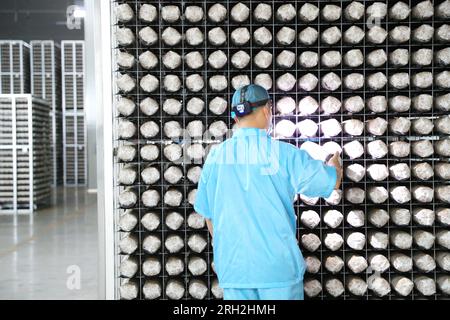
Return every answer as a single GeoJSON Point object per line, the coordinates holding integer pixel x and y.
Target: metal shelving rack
{"type": "Point", "coordinates": [24, 154]}
{"type": "Point", "coordinates": [138, 118]}
{"type": "Point", "coordinates": [73, 113]}
{"type": "Point", "coordinates": [14, 67]}
{"type": "Point", "coordinates": [46, 84]}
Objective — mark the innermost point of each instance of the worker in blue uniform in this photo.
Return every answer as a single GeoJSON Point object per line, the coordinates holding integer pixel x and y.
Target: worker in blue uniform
{"type": "Point", "coordinates": [246, 193]}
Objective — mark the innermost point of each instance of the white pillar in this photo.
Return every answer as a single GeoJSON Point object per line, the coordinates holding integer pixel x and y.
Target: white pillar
{"type": "Point", "coordinates": [98, 45]}
{"type": "Point", "coordinates": [90, 92]}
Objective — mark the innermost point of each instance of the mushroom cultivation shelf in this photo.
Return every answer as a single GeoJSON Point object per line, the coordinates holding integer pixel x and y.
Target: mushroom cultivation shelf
{"type": "Point", "coordinates": [14, 67]}
{"type": "Point", "coordinates": [46, 84]}
{"type": "Point", "coordinates": [25, 154]}
{"type": "Point", "coordinates": [73, 114]}
{"type": "Point", "coordinates": [367, 78]}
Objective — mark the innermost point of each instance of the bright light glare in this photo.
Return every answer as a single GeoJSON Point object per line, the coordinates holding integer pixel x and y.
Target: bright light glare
{"type": "Point", "coordinates": [308, 106]}
{"type": "Point", "coordinates": [286, 105]}
{"type": "Point", "coordinates": [285, 128]}
{"type": "Point", "coordinates": [314, 150]}
{"type": "Point", "coordinates": [307, 128]}
{"type": "Point", "coordinates": [331, 147]}
{"type": "Point", "coordinates": [330, 127]}
{"type": "Point", "coordinates": [79, 13]}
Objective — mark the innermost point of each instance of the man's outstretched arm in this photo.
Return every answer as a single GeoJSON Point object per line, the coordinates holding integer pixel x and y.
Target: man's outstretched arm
{"type": "Point", "coordinates": [313, 177]}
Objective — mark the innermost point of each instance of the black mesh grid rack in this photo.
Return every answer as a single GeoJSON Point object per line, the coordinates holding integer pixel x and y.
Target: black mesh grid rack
{"type": "Point", "coordinates": [319, 93]}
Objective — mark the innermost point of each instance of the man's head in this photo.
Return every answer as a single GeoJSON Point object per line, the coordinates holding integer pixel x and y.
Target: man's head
{"type": "Point", "coordinates": [252, 107]}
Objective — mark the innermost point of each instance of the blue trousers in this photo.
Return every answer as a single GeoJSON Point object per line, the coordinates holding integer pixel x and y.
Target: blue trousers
{"type": "Point", "coordinates": [294, 292]}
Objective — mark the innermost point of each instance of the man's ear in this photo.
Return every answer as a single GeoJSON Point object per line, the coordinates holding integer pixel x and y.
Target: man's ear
{"type": "Point", "coordinates": [267, 111]}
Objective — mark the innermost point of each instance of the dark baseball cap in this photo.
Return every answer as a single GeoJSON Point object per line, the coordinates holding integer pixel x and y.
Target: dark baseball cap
{"type": "Point", "coordinates": [254, 95]}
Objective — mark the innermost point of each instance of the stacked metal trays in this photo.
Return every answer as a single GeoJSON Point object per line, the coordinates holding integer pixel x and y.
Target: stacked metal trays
{"type": "Point", "coordinates": [14, 67]}
{"type": "Point", "coordinates": [46, 84]}
{"type": "Point", "coordinates": [73, 113]}
{"type": "Point", "coordinates": [25, 154]}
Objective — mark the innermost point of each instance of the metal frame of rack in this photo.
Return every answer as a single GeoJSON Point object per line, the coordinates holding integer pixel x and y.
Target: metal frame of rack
{"type": "Point", "coordinates": [74, 118]}
{"type": "Point", "coordinates": [14, 67]}
{"type": "Point", "coordinates": [159, 48]}
{"type": "Point", "coordinates": [25, 154]}
{"type": "Point", "coordinates": [46, 84]}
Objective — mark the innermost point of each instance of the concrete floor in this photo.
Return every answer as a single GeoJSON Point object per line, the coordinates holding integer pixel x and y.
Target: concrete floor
{"type": "Point", "coordinates": [52, 254]}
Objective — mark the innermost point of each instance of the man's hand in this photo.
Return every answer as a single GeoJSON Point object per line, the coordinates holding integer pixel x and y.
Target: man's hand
{"type": "Point", "coordinates": [210, 226]}
{"type": "Point", "coordinates": [335, 161]}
